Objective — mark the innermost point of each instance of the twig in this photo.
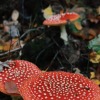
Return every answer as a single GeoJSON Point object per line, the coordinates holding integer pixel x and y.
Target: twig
{"type": "Point", "coordinates": [52, 61]}
{"type": "Point", "coordinates": [2, 54]}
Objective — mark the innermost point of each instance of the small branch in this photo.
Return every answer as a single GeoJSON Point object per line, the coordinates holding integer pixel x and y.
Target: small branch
{"type": "Point", "coordinates": [28, 31]}
{"type": "Point", "coordinates": [5, 53]}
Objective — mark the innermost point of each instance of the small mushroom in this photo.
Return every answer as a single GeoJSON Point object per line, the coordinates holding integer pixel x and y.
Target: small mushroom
{"type": "Point", "coordinates": [60, 86]}
{"type": "Point", "coordinates": [14, 75]}
{"type": "Point", "coordinates": [56, 20]}
{"type": "Point", "coordinates": [61, 20]}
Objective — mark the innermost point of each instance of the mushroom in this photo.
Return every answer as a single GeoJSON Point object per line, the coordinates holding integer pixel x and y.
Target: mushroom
{"type": "Point", "coordinates": [11, 78]}
{"type": "Point", "coordinates": [55, 20]}
{"type": "Point", "coordinates": [60, 86]}
{"type": "Point", "coordinates": [61, 20]}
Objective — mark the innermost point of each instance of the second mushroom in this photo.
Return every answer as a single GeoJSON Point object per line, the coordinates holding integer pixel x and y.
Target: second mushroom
{"type": "Point", "coordinates": [61, 20]}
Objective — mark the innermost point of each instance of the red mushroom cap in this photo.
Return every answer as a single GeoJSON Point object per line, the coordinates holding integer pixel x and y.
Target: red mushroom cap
{"type": "Point", "coordinates": [60, 86]}
{"type": "Point", "coordinates": [55, 20]}
{"type": "Point", "coordinates": [61, 19]}
{"type": "Point", "coordinates": [71, 16]}
{"type": "Point", "coordinates": [19, 71]}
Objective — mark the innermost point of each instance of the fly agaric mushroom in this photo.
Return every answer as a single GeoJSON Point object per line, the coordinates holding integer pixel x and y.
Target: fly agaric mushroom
{"type": "Point", "coordinates": [56, 20]}
{"type": "Point", "coordinates": [61, 20]}
{"type": "Point", "coordinates": [60, 86]}
{"type": "Point", "coordinates": [18, 71]}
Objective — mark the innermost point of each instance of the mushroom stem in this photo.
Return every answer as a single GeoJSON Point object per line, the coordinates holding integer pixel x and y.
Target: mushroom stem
{"type": "Point", "coordinates": [63, 34]}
